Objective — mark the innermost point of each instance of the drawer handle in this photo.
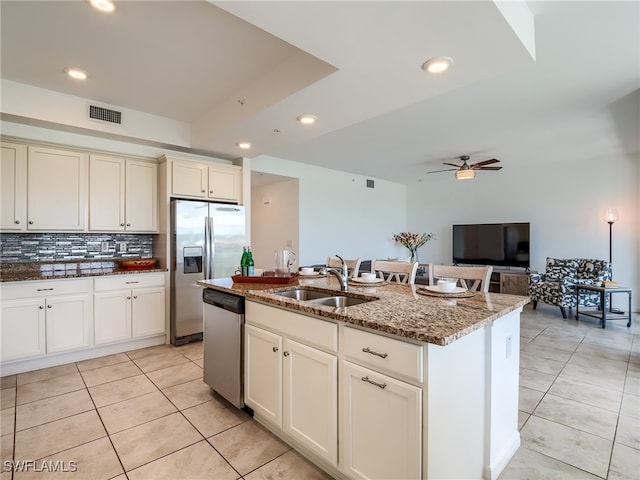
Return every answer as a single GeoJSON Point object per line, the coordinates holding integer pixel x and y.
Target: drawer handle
{"type": "Point", "coordinates": [382, 355]}
{"type": "Point", "coordinates": [381, 385]}
{"type": "Point", "coordinates": [45, 289]}
{"type": "Point", "coordinates": [132, 282]}
{"type": "Point", "coordinates": [275, 349]}
{"type": "Point", "coordinates": [285, 353]}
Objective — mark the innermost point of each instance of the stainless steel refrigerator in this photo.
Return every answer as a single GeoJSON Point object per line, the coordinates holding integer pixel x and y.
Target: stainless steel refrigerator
{"type": "Point", "coordinates": [206, 242]}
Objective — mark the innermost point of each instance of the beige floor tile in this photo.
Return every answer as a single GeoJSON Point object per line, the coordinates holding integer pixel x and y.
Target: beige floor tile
{"type": "Point", "coordinates": [189, 394]}
{"type": "Point", "coordinates": [248, 446]}
{"type": "Point", "coordinates": [544, 365]}
{"type": "Point", "coordinates": [213, 417]}
{"type": "Point", "coordinates": [288, 465]}
{"type": "Point", "coordinates": [543, 351]}
{"type": "Point", "coordinates": [632, 382]}
{"type": "Point", "coordinates": [53, 408]}
{"type": "Point", "coordinates": [152, 440]}
{"type": "Point", "coordinates": [528, 464]}
{"type": "Point", "coordinates": [135, 411]}
{"type": "Point", "coordinates": [625, 463]}
{"type": "Point", "coordinates": [7, 421]}
{"type": "Point", "coordinates": [593, 376]}
{"type": "Point", "coordinates": [592, 353]}
{"type": "Point", "coordinates": [554, 341]}
{"type": "Point", "coordinates": [6, 448]}
{"type": "Point", "coordinates": [110, 373]}
{"type": "Point", "coordinates": [536, 380]}
{"type": "Point", "coordinates": [144, 352]}
{"type": "Point", "coordinates": [120, 390]}
{"type": "Point", "coordinates": [522, 419]}
{"type": "Point", "coordinates": [528, 399]}
{"type": "Point", "coordinates": [160, 360]}
{"type": "Point", "coordinates": [102, 361]}
{"type": "Point", "coordinates": [199, 461]}
{"type": "Point", "coordinates": [574, 447]}
{"type": "Point", "coordinates": [578, 415]}
{"type": "Point", "coordinates": [175, 375]}
{"type": "Point", "coordinates": [604, 339]}
{"type": "Point", "coordinates": [7, 398]}
{"type": "Point", "coordinates": [628, 432]}
{"type": "Point", "coordinates": [46, 373]}
{"type": "Point", "coordinates": [193, 351]}
{"type": "Point", "coordinates": [53, 437]}
{"type": "Point", "coordinates": [630, 405]}
{"type": "Point", "coordinates": [587, 393]}
{"type": "Point", "coordinates": [602, 365]}
{"type": "Point", "coordinates": [8, 381]}
{"type": "Point", "coordinates": [199, 362]}
{"type": "Point", "coordinates": [96, 460]}
{"type": "Point", "coordinates": [51, 387]}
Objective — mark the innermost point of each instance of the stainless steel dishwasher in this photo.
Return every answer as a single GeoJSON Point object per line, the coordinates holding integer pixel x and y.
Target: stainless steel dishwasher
{"type": "Point", "coordinates": [223, 355]}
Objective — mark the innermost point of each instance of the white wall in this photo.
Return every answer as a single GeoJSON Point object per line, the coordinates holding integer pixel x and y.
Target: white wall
{"type": "Point", "coordinates": [339, 214]}
{"type": "Point", "coordinates": [275, 221]}
{"type": "Point", "coordinates": [564, 201]}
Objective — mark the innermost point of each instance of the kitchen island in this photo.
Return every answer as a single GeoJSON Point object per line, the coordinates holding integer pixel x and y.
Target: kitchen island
{"type": "Point", "coordinates": [404, 385]}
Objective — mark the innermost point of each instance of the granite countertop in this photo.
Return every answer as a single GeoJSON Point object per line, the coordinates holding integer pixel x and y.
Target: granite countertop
{"type": "Point", "coordinates": [398, 309]}
{"type": "Point", "coordinates": [19, 272]}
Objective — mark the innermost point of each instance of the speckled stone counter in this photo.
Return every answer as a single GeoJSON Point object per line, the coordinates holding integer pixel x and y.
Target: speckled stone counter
{"type": "Point", "coordinates": [19, 272]}
{"type": "Point", "coordinates": [396, 309]}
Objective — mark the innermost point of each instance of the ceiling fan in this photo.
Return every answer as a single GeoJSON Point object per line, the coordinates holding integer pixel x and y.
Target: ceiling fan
{"type": "Point", "coordinates": [466, 171]}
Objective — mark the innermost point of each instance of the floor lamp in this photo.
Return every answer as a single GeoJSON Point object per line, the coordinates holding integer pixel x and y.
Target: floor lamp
{"type": "Point", "coordinates": [611, 216]}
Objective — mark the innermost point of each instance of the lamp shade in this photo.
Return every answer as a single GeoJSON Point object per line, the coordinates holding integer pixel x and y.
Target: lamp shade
{"type": "Point", "coordinates": [611, 215]}
{"type": "Point", "coordinates": [466, 174]}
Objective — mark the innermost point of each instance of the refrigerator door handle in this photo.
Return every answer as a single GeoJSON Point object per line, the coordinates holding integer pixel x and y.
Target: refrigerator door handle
{"type": "Point", "coordinates": [209, 248]}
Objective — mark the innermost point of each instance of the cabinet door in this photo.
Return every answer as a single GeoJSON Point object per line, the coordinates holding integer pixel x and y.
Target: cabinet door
{"type": "Point", "coordinates": [381, 425]}
{"type": "Point", "coordinates": [112, 316]}
{"type": "Point", "coordinates": [68, 323]}
{"type": "Point", "coordinates": [515, 284]}
{"type": "Point", "coordinates": [263, 373]}
{"type": "Point", "coordinates": [106, 193]}
{"type": "Point", "coordinates": [141, 196]}
{"type": "Point", "coordinates": [22, 329]}
{"type": "Point", "coordinates": [225, 183]}
{"type": "Point", "coordinates": [311, 398]}
{"type": "Point", "coordinates": [189, 179]}
{"type": "Point", "coordinates": [56, 189]}
{"type": "Point", "coordinates": [147, 311]}
{"type": "Point", "coordinates": [13, 187]}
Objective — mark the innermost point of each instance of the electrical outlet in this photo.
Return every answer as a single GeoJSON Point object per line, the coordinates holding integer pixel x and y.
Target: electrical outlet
{"type": "Point", "coordinates": [509, 346]}
{"type": "Point", "coordinates": [104, 247]}
{"type": "Point", "coordinates": [122, 246]}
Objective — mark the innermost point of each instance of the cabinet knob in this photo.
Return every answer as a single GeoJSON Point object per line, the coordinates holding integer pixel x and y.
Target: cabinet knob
{"type": "Point", "coordinates": [128, 298]}
{"type": "Point", "coordinates": [122, 224]}
{"type": "Point", "coordinates": [275, 349]}
{"type": "Point", "coordinates": [128, 224]}
{"type": "Point", "coordinates": [210, 191]}
{"type": "Point", "coordinates": [49, 306]}
{"type": "Point", "coordinates": [285, 353]}
{"type": "Point", "coordinates": [135, 296]}
{"type": "Point", "coordinates": [17, 222]}
{"type": "Point", "coordinates": [202, 191]}
{"type": "Point", "coordinates": [41, 307]}
{"type": "Point", "coordinates": [30, 222]}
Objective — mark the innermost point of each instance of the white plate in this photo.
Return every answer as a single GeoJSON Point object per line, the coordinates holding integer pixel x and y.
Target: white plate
{"type": "Point", "coordinates": [437, 290]}
{"type": "Point", "coordinates": [314, 274]}
{"type": "Point", "coordinates": [365, 282]}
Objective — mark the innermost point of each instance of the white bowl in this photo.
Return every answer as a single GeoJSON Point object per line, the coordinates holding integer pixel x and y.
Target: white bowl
{"type": "Point", "coordinates": [368, 277]}
{"type": "Point", "coordinates": [307, 270]}
{"type": "Point", "coordinates": [447, 285]}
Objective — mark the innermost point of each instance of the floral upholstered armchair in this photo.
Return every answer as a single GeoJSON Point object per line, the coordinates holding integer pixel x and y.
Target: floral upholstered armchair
{"type": "Point", "coordinates": [556, 286]}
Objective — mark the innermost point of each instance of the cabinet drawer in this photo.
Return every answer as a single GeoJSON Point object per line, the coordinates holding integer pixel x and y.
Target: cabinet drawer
{"type": "Point", "coordinates": [46, 288]}
{"type": "Point", "coordinates": [384, 354]}
{"type": "Point", "coordinates": [310, 331]}
{"type": "Point", "coordinates": [120, 282]}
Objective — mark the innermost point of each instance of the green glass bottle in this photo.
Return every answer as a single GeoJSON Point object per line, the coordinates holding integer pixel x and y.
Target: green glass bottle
{"type": "Point", "coordinates": [244, 264]}
{"type": "Point", "coordinates": [250, 269]}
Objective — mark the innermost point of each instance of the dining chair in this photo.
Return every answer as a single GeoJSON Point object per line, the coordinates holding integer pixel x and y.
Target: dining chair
{"type": "Point", "coordinates": [399, 272]}
{"type": "Point", "coordinates": [353, 265]}
{"type": "Point", "coordinates": [477, 277]}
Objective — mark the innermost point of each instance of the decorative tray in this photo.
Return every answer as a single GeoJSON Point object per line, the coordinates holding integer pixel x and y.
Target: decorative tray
{"type": "Point", "coordinates": [137, 264]}
{"type": "Point", "coordinates": [434, 293]}
{"type": "Point", "coordinates": [265, 279]}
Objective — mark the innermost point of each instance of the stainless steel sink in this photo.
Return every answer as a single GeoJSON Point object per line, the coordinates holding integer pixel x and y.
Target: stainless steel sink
{"type": "Point", "coordinates": [302, 294]}
{"type": "Point", "coordinates": [339, 301]}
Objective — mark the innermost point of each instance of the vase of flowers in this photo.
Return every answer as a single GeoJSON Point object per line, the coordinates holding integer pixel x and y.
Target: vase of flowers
{"type": "Point", "coordinates": [413, 241]}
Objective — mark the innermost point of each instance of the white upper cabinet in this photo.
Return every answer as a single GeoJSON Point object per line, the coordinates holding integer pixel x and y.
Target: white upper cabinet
{"type": "Point", "coordinates": [56, 189]}
{"type": "Point", "coordinates": [206, 181]}
{"type": "Point", "coordinates": [13, 187]}
{"type": "Point", "coordinates": [123, 195]}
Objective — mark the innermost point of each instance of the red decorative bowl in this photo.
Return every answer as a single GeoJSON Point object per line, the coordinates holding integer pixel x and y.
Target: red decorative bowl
{"type": "Point", "coordinates": [137, 264]}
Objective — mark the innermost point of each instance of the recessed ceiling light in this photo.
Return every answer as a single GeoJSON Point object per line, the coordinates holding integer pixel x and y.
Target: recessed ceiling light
{"type": "Point", "coordinates": [76, 73]}
{"type": "Point", "coordinates": [437, 65]}
{"type": "Point", "coordinates": [307, 119]}
{"type": "Point", "coordinates": [244, 145]}
{"type": "Point", "coordinates": [103, 5]}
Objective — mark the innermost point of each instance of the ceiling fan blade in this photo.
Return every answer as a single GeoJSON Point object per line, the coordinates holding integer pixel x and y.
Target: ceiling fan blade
{"type": "Point", "coordinates": [484, 162]}
{"type": "Point", "coordinates": [446, 170]}
{"type": "Point", "coordinates": [488, 168]}
{"type": "Point", "coordinates": [452, 164]}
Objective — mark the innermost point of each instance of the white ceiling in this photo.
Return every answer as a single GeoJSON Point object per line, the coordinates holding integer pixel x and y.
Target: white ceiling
{"type": "Point", "coordinates": [240, 70]}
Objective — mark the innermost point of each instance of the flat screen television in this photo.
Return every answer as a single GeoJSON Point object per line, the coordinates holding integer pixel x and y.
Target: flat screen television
{"type": "Point", "coordinates": [502, 244]}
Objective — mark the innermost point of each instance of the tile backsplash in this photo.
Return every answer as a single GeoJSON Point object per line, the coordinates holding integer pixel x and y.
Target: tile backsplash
{"type": "Point", "coordinates": [39, 247]}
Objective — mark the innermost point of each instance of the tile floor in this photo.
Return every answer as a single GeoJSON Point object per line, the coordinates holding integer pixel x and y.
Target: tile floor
{"type": "Point", "coordinates": [146, 414]}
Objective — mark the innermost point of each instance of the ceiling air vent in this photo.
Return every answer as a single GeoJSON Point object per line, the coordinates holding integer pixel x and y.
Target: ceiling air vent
{"type": "Point", "coordinates": [105, 114]}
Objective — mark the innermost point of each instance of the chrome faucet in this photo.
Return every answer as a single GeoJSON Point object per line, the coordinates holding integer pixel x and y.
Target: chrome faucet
{"type": "Point", "coordinates": [342, 275]}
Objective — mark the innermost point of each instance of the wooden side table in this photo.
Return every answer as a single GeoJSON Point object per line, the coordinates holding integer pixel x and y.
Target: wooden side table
{"type": "Point", "coordinates": [602, 314]}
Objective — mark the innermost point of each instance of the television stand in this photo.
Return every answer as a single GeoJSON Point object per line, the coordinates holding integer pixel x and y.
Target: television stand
{"type": "Point", "coordinates": [512, 282]}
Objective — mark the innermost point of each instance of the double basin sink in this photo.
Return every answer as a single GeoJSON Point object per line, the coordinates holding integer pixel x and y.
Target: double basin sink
{"type": "Point", "coordinates": [330, 299]}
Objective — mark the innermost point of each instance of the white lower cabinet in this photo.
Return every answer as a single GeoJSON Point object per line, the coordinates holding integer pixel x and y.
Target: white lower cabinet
{"type": "Point", "coordinates": [45, 317]}
{"type": "Point", "coordinates": [382, 425]}
{"type": "Point", "coordinates": [290, 384]}
{"type": "Point", "coordinates": [128, 306]}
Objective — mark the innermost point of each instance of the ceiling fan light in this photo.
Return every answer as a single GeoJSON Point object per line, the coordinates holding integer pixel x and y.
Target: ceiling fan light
{"type": "Point", "coordinates": [307, 119]}
{"type": "Point", "coordinates": [76, 73]}
{"type": "Point", "coordinates": [465, 174]}
{"type": "Point", "coordinates": [103, 5]}
{"type": "Point", "coordinates": [244, 145]}
{"type": "Point", "coordinates": [437, 64]}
